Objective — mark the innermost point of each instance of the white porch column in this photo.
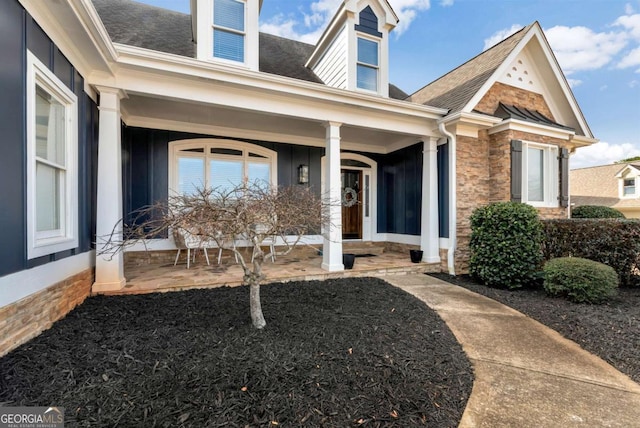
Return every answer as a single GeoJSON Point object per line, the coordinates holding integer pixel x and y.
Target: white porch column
{"type": "Point", "coordinates": [332, 246]}
{"type": "Point", "coordinates": [109, 267]}
{"type": "Point", "coordinates": [429, 233]}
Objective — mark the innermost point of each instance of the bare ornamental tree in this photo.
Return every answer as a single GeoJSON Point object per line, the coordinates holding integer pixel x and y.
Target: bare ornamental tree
{"type": "Point", "coordinates": [249, 212]}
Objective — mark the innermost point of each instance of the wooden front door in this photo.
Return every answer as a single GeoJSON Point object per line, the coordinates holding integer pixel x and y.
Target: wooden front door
{"type": "Point", "coordinates": [351, 181]}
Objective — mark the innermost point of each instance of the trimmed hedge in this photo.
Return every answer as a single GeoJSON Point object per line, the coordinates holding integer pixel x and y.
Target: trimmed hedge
{"type": "Point", "coordinates": [505, 245]}
{"type": "Point", "coordinates": [614, 242]}
{"type": "Point", "coordinates": [595, 211]}
{"type": "Point", "coordinates": [580, 280]}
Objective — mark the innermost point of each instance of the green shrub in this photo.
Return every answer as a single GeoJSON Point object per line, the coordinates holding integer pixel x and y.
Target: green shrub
{"type": "Point", "coordinates": [614, 242]}
{"type": "Point", "coordinates": [580, 280]}
{"type": "Point", "coordinates": [595, 211]}
{"type": "Point", "coordinates": [505, 244]}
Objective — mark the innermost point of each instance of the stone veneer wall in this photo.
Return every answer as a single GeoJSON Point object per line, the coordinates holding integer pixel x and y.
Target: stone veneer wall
{"type": "Point", "coordinates": [472, 167]}
{"type": "Point", "coordinates": [511, 95]}
{"type": "Point", "coordinates": [444, 265]}
{"type": "Point", "coordinates": [484, 165]}
{"type": "Point", "coordinates": [30, 316]}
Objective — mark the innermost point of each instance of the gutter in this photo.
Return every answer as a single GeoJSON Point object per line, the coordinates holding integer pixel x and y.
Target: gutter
{"type": "Point", "coordinates": [452, 198]}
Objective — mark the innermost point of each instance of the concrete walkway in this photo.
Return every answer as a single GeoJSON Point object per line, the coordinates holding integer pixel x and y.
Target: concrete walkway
{"type": "Point", "coordinates": [526, 375]}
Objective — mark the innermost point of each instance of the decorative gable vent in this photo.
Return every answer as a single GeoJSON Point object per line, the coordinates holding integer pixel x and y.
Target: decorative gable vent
{"type": "Point", "coordinates": [368, 22]}
{"type": "Point", "coordinates": [522, 74]}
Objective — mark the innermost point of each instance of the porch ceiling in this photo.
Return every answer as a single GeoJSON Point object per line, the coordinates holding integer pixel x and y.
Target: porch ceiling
{"type": "Point", "coordinates": [191, 116]}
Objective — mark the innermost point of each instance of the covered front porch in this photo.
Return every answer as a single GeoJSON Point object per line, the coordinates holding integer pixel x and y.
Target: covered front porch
{"type": "Point", "coordinates": [154, 271]}
{"type": "Point", "coordinates": [149, 125]}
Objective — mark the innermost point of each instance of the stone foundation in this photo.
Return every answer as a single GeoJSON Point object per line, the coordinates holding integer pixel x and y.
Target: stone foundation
{"type": "Point", "coordinates": [30, 316]}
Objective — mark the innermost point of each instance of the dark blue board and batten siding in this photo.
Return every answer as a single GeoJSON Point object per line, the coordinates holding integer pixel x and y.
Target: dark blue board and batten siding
{"type": "Point", "coordinates": [443, 190]}
{"type": "Point", "coordinates": [368, 22]}
{"type": "Point", "coordinates": [145, 155]}
{"type": "Point", "coordinates": [399, 190]}
{"type": "Point", "coordinates": [19, 32]}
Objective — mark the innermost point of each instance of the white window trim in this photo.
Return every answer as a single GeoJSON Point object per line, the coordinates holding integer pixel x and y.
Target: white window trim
{"type": "Point", "coordinates": [212, 28]}
{"type": "Point", "coordinates": [621, 187]}
{"type": "Point", "coordinates": [550, 175]}
{"type": "Point", "coordinates": [40, 244]}
{"type": "Point", "coordinates": [364, 64]}
{"type": "Point", "coordinates": [175, 147]}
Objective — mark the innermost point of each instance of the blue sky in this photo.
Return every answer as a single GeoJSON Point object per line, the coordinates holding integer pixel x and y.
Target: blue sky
{"type": "Point", "coordinates": [597, 43]}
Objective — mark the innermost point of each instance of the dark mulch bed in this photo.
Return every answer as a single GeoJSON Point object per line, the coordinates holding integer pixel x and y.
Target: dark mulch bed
{"type": "Point", "coordinates": [349, 352]}
{"type": "Point", "coordinates": [610, 331]}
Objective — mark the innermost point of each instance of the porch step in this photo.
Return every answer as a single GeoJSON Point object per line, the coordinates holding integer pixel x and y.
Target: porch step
{"type": "Point", "coordinates": [365, 247]}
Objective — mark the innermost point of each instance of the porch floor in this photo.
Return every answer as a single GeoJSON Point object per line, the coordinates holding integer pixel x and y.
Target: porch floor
{"type": "Point", "coordinates": [155, 272]}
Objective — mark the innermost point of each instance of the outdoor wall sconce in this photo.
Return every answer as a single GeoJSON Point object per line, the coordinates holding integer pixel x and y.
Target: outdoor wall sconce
{"type": "Point", "coordinates": [303, 174]}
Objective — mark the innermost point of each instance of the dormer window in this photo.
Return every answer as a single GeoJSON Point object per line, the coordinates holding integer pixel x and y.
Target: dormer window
{"type": "Point", "coordinates": [229, 29]}
{"type": "Point", "coordinates": [368, 64]}
{"type": "Point", "coordinates": [628, 182]}
{"type": "Point", "coordinates": [629, 187]}
{"type": "Point", "coordinates": [353, 52]}
{"type": "Point", "coordinates": [226, 31]}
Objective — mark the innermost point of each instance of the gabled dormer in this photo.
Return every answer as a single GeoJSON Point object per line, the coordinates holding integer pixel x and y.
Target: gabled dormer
{"type": "Point", "coordinates": [629, 182]}
{"type": "Point", "coordinates": [353, 52]}
{"type": "Point", "coordinates": [226, 31]}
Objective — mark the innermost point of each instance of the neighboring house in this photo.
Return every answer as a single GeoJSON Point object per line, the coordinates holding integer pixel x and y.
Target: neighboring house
{"type": "Point", "coordinates": [109, 105]}
{"type": "Point", "coordinates": [616, 186]}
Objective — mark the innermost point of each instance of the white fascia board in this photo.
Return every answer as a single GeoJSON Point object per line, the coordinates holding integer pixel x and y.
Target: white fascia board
{"type": "Point", "coordinates": [497, 73]}
{"type": "Point", "coordinates": [58, 28]}
{"type": "Point", "coordinates": [280, 137]}
{"type": "Point", "coordinates": [231, 96]}
{"type": "Point", "coordinates": [475, 119]}
{"type": "Point", "coordinates": [582, 141]}
{"type": "Point", "coordinates": [95, 29]}
{"type": "Point", "coordinates": [468, 124]}
{"type": "Point", "coordinates": [533, 128]}
{"type": "Point", "coordinates": [381, 6]}
{"type": "Point", "coordinates": [168, 125]}
{"type": "Point", "coordinates": [536, 32]}
{"type": "Point", "coordinates": [327, 37]}
{"type": "Point", "coordinates": [624, 170]}
{"type": "Point", "coordinates": [190, 68]}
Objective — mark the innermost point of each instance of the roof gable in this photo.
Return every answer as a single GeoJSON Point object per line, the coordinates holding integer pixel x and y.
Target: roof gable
{"type": "Point", "coordinates": [629, 169]}
{"type": "Point", "coordinates": [455, 89]}
{"type": "Point", "coordinates": [534, 49]}
{"type": "Point", "coordinates": [527, 51]}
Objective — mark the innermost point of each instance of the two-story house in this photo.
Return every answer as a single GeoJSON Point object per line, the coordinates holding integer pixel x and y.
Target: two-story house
{"type": "Point", "coordinates": [110, 105]}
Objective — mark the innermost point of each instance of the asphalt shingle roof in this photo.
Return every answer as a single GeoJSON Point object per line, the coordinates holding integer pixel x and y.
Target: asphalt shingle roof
{"type": "Point", "coordinates": [136, 24]}
{"type": "Point", "coordinates": [286, 57]}
{"type": "Point", "coordinates": [455, 89]}
{"type": "Point", "coordinates": [598, 185]}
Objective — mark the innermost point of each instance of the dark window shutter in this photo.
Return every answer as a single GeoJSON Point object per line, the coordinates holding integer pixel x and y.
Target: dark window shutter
{"type": "Point", "coordinates": [564, 177]}
{"type": "Point", "coordinates": [516, 171]}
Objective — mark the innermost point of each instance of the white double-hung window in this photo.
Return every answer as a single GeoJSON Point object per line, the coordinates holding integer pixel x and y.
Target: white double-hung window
{"type": "Point", "coordinates": [229, 30]}
{"type": "Point", "coordinates": [629, 187]}
{"type": "Point", "coordinates": [367, 69]}
{"type": "Point", "coordinates": [52, 191]}
{"type": "Point", "coordinates": [540, 179]}
{"type": "Point", "coordinates": [219, 164]}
